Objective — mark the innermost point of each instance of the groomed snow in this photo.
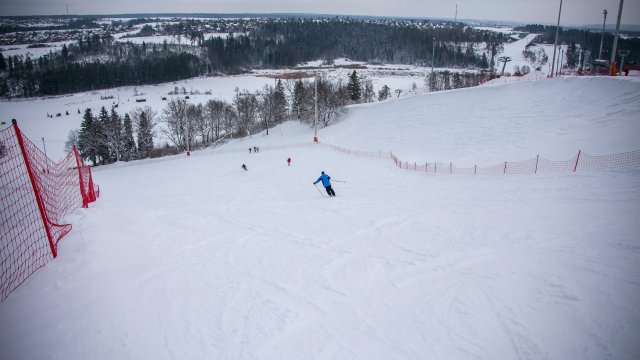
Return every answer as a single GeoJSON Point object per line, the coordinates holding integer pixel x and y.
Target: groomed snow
{"type": "Point", "coordinates": [194, 258]}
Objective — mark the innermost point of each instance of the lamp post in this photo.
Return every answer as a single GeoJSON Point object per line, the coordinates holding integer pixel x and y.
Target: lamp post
{"type": "Point", "coordinates": [555, 43]}
{"type": "Point", "coordinates": [433, 60]}
{"type": "Point", "coordinates": [188, 152]}
{"type": "Point", "coordinates": [315, 118]}
{"type": "Point", "coordinates": [615, 39]}
{"type": "Point", "coordinates": [604, 12]}
{"type": "Point", "coordinates": [560, 61]}
{"type": "Point", "coordinates": [44, 147]}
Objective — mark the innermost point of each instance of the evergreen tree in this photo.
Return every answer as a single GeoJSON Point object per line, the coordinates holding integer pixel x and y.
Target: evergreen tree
{"type": "Point", "coordinates": [102, 126]}
{"type": "Point", "coordinates": [354, 89]}
{"type": "Point", "coordinates": [65, 52]}
{"type": "Point", "coordinates": [129, 150]}
{"type": "Point", "coordinates": [87, 142]}
{"type": "Point", "coordinates": [298, 106]}
{"type": "Point", "coordinates": [384, 93]}
{"type": "Point", "coordinates": [484, 62]}
{"type": "Point", "coordinates": [145, 134]}
{"type": "Point", "coordinates": [280, 103]}
{"type": "Point", "coordinates": [3, 63]}
{"type": "Point", "coordinates": [115, 136]}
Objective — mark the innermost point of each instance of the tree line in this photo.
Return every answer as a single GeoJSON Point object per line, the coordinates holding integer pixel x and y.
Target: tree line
{"type": "Point", "coordinates": [98, 62]}
{"type": "Point", "coordinates": [577, 39]}
{"type": "Point", "coordinates": [108, 136]}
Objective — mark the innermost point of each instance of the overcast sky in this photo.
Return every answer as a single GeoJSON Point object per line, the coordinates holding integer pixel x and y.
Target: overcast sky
{"type": "Point", "coordinates": [574, 12]}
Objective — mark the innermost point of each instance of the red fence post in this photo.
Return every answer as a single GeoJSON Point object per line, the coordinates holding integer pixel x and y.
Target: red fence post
{"type": "Point", "coordinates": [36, 192]}
{"type": "Point", "coordinates": [577, 159]}
{"type": "Point", "coordinates": [83, 193]}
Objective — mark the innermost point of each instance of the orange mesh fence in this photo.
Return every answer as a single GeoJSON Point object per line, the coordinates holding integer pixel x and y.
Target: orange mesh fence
{"type": "Point", "coordinates": [580, 162]}
{"type": "Point", "coordinates": [628, 160]}
{"type": "Point", "coordinates": [35, 195]}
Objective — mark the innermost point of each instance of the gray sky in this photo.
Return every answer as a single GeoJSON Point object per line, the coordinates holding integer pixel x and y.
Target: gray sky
{"type": "Point", "coordinates": [530, 11]}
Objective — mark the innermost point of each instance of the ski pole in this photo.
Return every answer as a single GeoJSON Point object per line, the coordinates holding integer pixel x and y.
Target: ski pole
{"type": "Point", "coordinates": [339, 181]}
{"type": "Point", "coordinates": [321, 194]}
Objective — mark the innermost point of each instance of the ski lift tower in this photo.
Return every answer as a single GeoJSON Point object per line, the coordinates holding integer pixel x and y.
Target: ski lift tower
{"type": "Point", "coordinates": [504, 59]}
{"type": "Point", "coordinates": [622, 54]}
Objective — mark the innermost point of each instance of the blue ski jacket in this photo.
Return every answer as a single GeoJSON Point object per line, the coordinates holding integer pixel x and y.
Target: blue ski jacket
{"type": "Point", "coordinates": [325, 180]}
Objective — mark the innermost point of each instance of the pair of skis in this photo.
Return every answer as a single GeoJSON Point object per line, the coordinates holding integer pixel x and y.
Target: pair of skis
{"type": "Point", "coordinates": [321, 194]}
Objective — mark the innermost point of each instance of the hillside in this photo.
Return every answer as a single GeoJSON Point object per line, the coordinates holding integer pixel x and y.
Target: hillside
{"type": "Point", "coordinates": [194, 258]}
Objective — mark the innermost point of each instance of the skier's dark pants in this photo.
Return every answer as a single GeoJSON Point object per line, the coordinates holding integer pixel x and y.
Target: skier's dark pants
{"type": "Point", "coordinates": [330, 190]}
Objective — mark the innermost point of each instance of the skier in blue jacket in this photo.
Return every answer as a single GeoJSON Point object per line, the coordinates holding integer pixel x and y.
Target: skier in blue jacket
{"type": "Point", "coordinates": [326, 183]}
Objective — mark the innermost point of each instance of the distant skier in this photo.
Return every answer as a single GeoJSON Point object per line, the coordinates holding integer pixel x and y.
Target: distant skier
{"type": "Point", "coordinates": [326, 183]}
{"type": "Point", "coordinates": [244, 167]}
{"type": "Point", "coordinates": [289, 162]}
{"type": "Point", "coordinates": [249, 150]}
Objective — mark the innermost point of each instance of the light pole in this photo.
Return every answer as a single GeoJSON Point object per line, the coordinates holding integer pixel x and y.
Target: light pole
{"type": "Point", "coordinates": [615, 39]}
{"type": "Point", "coordinates": [555, 43]}
{"type": "Point", "coordinates": [560, 61]}
{"type": "Point", "coordinates": [433, 60]}
{"type": "Point", "coordinates": [602, 37]}
{"type": "Point", "coordinates": [188, 152]}
{"type": "Point", "coordinates": [315, 117]}
{"type": "Point", "coordinates": [44, 147]}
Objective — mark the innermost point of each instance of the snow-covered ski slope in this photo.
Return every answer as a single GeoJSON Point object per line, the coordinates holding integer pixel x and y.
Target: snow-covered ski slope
{"type": "Point", "coordinates": [194, 258]}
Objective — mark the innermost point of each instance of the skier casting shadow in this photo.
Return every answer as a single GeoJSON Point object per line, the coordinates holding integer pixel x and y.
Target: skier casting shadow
{"type": "Point", "coordinates": [326, 183]}
{"type": "Point", "coordinates": [244, 167]}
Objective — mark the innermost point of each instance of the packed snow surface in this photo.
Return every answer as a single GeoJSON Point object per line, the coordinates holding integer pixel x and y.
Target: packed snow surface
{"type": "Point", "coordinates": [195, 258]}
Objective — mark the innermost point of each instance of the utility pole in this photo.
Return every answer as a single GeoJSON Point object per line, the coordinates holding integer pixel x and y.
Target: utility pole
{"type": "Point", "coordinates": [433, 60]}
{"type": "Point", "coordinates": [456, 18]}
{"type": "Point", "coordinates": [560, 61]}
{"type": "Point", "coordinates": [615, 39]}
{"type": "Point", "coordinates": [315, 118]}
{"type": "Point", "coordinates": [555, 44]}
{"type": "Point", "coordinates": [604, 12]}
{"type": "Point", "coordinates": [188, 152]}
{"type": "Point", "coordinates": [44, 147]}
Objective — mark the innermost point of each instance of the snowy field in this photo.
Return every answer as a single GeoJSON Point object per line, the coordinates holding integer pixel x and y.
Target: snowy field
{"type": "Point", "coordinates": [194, 258]}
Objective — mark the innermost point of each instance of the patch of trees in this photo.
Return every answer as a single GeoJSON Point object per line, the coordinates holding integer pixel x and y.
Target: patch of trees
{"type": "Point", "coordinates": [73, 24]}
{"type": "Point", "coordinates": [289, 42]}
{"type": "Point", "coordinates": [108, 137]}
{"type": "Point", "coordinates": [69, 71]}
{"type": "Point", "coordinates": [97, 62]}
{"type": "Point", "coordinates": [585, 39]}
{"type": "Point", "coordinates": [447, 80]}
